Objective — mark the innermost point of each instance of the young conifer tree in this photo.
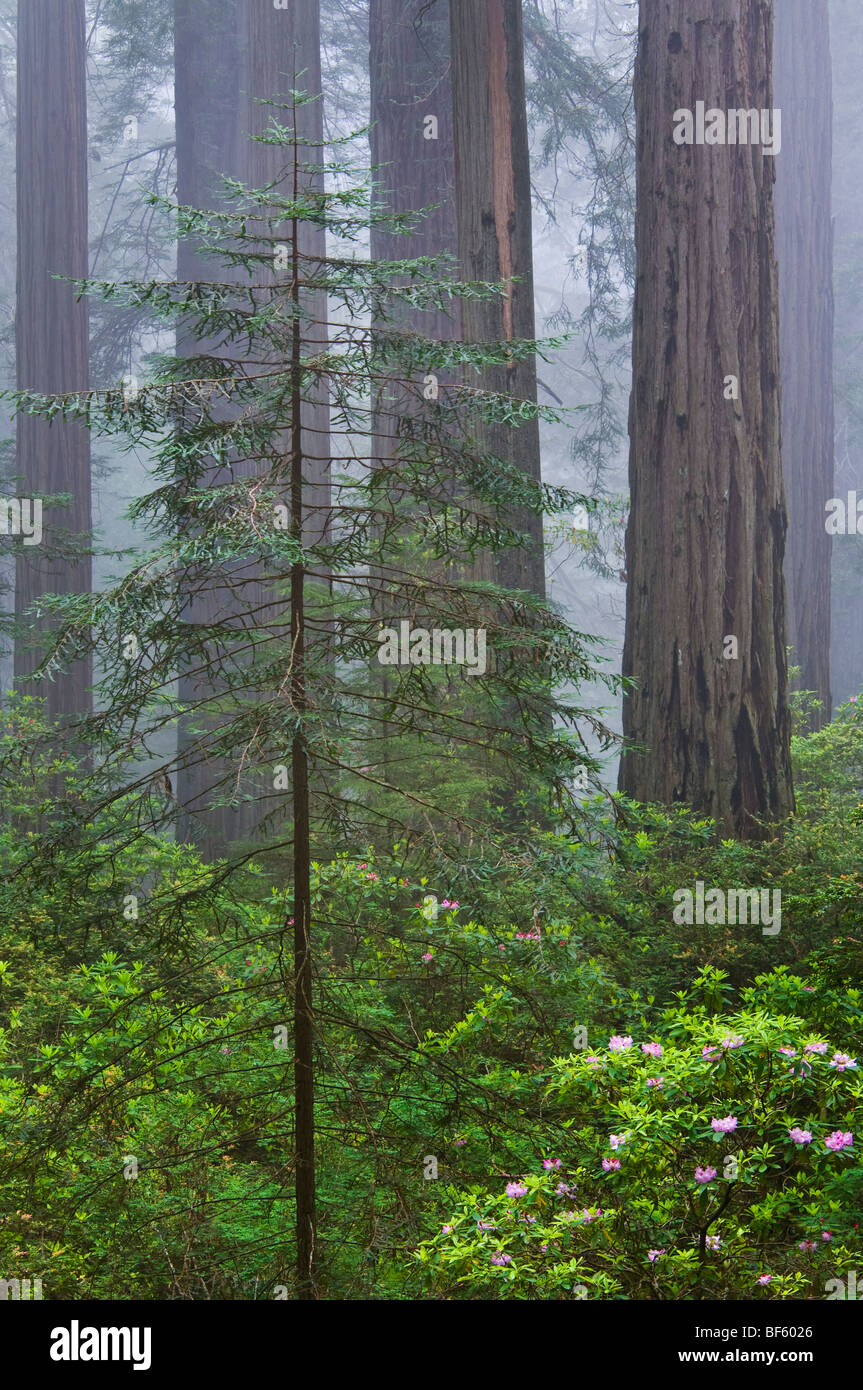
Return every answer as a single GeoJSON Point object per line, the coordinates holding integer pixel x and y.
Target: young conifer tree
{"type": "Point", "coordinates": [294, 711]}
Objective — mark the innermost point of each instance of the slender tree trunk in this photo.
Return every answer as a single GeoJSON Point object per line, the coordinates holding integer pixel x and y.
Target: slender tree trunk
{"type": "Point", "coordinates": [804, 251]}
{"type": "Point", "coordinates": [304, 1077]}
{"type": "Point", "coordinates": [706, 533]}
{"type": "Point", "coordinates": [494, 232]}
{"type": "Point", "coordinates": [284, 54]}
{"type": "Point", "coordinates": [52, 330]}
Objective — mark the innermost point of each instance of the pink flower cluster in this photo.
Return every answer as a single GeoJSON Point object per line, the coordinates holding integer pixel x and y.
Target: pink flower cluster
{"type": "Point", "coordinates": [726, 1126]}
{"type": "Point", "coordinates": [839, 1140]}
{"type": "Point", "coordinates": [842, 1062]}
{"type": "Point", "coordinates": [800, 1136]}
{"type": "Point", "coordinates": [705, 1174]}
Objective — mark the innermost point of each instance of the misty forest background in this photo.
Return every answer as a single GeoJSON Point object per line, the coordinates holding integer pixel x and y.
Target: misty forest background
{"type": "Point", "coordinates": [324, 978]}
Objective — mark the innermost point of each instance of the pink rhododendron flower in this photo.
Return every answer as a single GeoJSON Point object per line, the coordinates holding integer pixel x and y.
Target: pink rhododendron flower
{"type": "Point", "coordinates": [839, 1140]}
{"type": "Point", "coordinates": [655, 1081]}
{"type": "Point", "coordinates": [765, 1278]}
{"type": "Point", "coordinates": [619, 1044]}
{"type": "Point", "coordinates": [800, 1136]}
{"type": "Point", "coordinates": [615, 1140]}
{"type": "Point", "coordinates": [705, 1174]}
{"type": "Point", "coordinates": [712, 1242]}
{"type": "Point", "coordinates": [732, 1040]}
{"type": "Point", "coordinates": [709, 1051]}
{"type": "Point", "coordinates": [842, 1062]}
{"type": "Point", "coordinates": [653, 1255]}
{"type": "Point", "coordinates": [726, 1126]}
{"type": "Point", "coordinates": [826, 1235]}
{"type": "Point", "coordinates": [807, 1245]}
{"type": "Point", "coordinates": [499, 1258]}
{"type": "Point", "coordinates": [446, 1230]}
{"type": "Point", "coordinates": [551, 1162]}
{"type": "Point", "coordinates": [564, 1190]}
{"type": "Point", "coordinates": [652, 1049]}
{"type": "Point", "coordinates": [610, 1165]}
{"type": "Point", "coordinates": [789, 1051]}
{"type": "Point", "coordinates": [429, 955]}
{"type": "Point", "coordinates": [815, 1047]}
{"type": "Point", "coordinates": [516, 1189]}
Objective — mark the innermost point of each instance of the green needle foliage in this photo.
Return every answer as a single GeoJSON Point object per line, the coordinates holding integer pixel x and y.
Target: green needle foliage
{"type": "Point", "coordinates": [388, 517]}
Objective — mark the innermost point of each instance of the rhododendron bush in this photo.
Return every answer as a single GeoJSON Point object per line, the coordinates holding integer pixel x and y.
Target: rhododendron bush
{"type": "Point", "coordinates": [718, 1157]}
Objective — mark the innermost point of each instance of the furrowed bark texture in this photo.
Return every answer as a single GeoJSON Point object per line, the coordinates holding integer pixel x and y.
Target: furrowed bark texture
{"type": "Point", "coordinates": [706, 533]}
{"type": "Point", "coordinates": [494, 233]}
{"type": "Point", "coordinates": [802, 85]}
{"type": "Point", "coordinates": [51, 329]}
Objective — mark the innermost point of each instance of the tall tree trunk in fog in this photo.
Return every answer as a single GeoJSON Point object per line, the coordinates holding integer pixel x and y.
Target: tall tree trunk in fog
{"type": "Point", "coordinates": [412, 140]}
{"type": "Point", "coordinates": [493, 200]}
{"type": "Point", "coordinates": [284, 53]}
{"type": "Point", "coordinates": [706, 535]}
{"type": "Point", "coordinates": [211, 135]}
{"type": "Point", "coordinates": [409, 57]}
{"type": "Point", "coordinates": [802, 88]}
{"type": "Point", "coordinates": [846, 664]}
{"type": "Point", "coordinates": [52, 330]}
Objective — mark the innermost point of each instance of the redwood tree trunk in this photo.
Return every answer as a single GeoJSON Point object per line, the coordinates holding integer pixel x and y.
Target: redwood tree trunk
{"type": "Point", "coordinates": [52, 330]}
{"type": "Point", "coordinates": [804, 251]}
{"type": "Point", "coordinates": [494, 231]}
{"type": "Point", "coordinates": [285, 54]}
{"type": "Point", "coordinates": [410, 72]}
{"type": "Point", "coordinates": [211, 125]}
{"type": "Point", "coordinates": [706, 533]}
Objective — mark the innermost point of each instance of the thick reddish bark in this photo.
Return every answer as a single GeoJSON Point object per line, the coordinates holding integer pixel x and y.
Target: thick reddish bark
{"type": "Point", "coordinates": [706, 534]}
{"type": "Point", "coordinates": [494, 231]}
